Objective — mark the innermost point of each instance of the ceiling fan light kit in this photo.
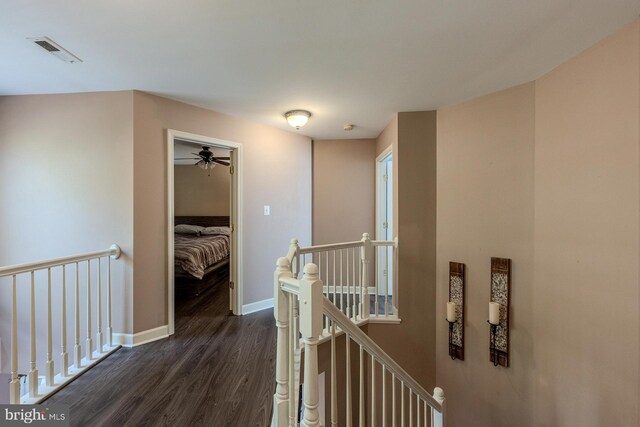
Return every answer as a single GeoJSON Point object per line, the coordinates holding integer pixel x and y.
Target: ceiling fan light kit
{"type": "Point", "coordinates": [297, 118]}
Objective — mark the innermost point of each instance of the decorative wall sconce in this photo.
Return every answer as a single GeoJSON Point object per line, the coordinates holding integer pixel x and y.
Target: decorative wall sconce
{"type": "Point", "coordinates": [499, 311]}
{"type": "Point", "coordinates": [455, 310]}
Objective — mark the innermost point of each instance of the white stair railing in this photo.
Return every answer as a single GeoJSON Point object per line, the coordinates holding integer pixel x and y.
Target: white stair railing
{"type": "Point", "coordinates": [408, 403]}
{"type": "Point", "coordinates": [35, 391]}
{"type": "Point", "coordinates": [351, 279]}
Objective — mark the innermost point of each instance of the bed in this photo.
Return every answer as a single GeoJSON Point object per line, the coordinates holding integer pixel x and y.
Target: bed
{"type": "Point", "coordinates": [200, 261]}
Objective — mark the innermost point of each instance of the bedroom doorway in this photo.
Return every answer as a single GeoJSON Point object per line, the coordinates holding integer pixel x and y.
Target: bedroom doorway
{"type": "Point", "coordinates": [199, 231]}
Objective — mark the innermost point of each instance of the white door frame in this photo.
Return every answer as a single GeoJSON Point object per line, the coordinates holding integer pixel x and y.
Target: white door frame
{"type": "Point", "coordinates": [236, 235]}
{"type": "Point", "coordinates": [382, 204]}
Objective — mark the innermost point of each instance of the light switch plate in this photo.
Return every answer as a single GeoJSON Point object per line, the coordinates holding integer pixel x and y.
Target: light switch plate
{"type": "Point", "coordinates": [267, 210]}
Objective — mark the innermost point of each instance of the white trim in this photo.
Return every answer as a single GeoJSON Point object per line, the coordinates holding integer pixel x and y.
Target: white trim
{"type": "Point", "coordinates": [236, 236]}
{"type": "Point", "coordinates": [381, 205]}
{"type": "Point", "coordinates": [133, 340]}
{"type": "Point", "coordinates": [257, 306]}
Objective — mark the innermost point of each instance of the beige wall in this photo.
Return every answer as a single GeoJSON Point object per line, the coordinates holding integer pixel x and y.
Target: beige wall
{"type": "Point", "coordinates": [198, 192]}
{"type": "Point", "coordinates": [547, 174]}
{"type": "Point", "coordinates": [277, 173]}
{"type": "Point", "coordinates": [66, 176]}
{"type": "Point", "coordinates": [412, 343]}
{"type": "Point", "coordinates": [343, 189]}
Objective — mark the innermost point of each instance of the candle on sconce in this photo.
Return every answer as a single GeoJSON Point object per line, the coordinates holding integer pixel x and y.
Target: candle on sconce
{"type": "Point", "coordinates": [494, 313]}
{"type": "Point", "coordinates": [451, 312]}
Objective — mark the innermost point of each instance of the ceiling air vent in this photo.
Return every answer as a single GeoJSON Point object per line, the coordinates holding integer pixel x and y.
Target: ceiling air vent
{"type": "Point", "coordinates": [55, 49]}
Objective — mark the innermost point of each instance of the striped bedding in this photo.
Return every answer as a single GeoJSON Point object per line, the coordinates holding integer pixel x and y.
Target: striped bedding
{"type": "Point", "coordinates": [195, 253]}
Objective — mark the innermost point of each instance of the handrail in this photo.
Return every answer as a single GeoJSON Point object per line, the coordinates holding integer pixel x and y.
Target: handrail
{"type": "Point", "coordinates": [344, 323]}
{"type": "Point", "coordinates": [114, 252]}
{"type": "Point", "coordinates": [331, 246]}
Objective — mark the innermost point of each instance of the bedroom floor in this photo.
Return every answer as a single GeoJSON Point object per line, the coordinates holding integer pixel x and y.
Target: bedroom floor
{"type": "Point", "coordinates": [217, 370]}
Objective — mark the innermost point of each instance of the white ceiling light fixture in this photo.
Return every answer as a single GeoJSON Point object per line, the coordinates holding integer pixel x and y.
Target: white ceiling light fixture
{"type": "Point", "coordinates": [297, 118]}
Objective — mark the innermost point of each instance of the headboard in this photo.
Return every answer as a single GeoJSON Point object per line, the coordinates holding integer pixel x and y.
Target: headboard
{"type": "Point", "coordinates": [203, 221]}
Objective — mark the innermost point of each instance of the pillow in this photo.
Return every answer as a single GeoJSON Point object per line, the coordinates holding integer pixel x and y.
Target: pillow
{"type": "Point", "coordinates": [211, 231]}
{"type": "Point", "coordinates": [188, 229]}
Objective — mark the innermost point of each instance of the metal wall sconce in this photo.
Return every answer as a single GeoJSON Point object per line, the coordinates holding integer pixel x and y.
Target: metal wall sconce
{"type": "Point", "coordinates": [499, 311]}
{"type": "Point", "coordinates": [455, 310]}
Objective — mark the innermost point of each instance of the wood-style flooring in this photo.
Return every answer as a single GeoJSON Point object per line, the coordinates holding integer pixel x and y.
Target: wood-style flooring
{"type": "Point", "coordinates": [217, 370]}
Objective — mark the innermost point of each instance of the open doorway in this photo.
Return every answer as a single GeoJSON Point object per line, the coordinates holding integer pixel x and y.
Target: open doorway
{"type": "Point", "coordinates": [384, 218]}
{"type": "Point", "coordinates": [204, 227]}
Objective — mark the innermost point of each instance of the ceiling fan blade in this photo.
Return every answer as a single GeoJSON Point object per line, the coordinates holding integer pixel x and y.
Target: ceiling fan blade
{"type": "Point", "coordinates": [221, 162]}
{"type": "Point", "coordinates": [223, 158]}
{"type": "Point", "coordinates": [186, 158]}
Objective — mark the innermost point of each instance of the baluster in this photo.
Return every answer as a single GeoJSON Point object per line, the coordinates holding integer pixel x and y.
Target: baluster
{"type": "Point", "coordinates": [384, 397]}
{"type": "Point", "coordinates": [292, 383]}
{"type": "Point", "coordinates": [393, 400]}
{"type": "Point", "coordinates": [64, 356]}
{"type": "Point", "coordinates": [89, 343]}
{"type": "Point", "coordinates": [373, 390]}
{"type": "Point", "coordinates": [365, 255]}
{"type": "Point", "coordinates": [417, 411]}
{"type": "Point", "coordinates": [311, 327]}
{"type": "Point", "coordinates": [410, 408]}
{"type": "Point", "coordinates": [49, 363]}
{"type": "Point", "coordinates": [33, 373]}
{"type": "Point", "coordinates": [99, 308]}
{"type": "Point", "coordinates": [394, 283]}
{"type": "Point", "coordinates": [282, 312]}
{"type": "Point", "coordinates": [354, 274]}
{"type": "Point", "coordinates": [387, 284]}
{"type": "Point", "coordinates": [335, 268]}
{"type": "Point", "coordinates": [348, 380]}
{"type": "Point", "coordinates": [14, 397]}
{"type": "Point", "coordinates": [426, 422]}
{"type": "Point", "coordinates": [341, 284]}
{"type": "Point", "coordinates": [77, 350]}
{"type": "Point", "coordinates": [402, 403]}
{"type": "Point", "coordinates": [376, 249]}
{"type": "Point", "coordinates": [361, 396]}
{"type": "Point", "coordinates": [109, 330]}
{"type": "Point", "coordinates": [334, 378]}
{"type": "Point", "coordinates": [348, 309]}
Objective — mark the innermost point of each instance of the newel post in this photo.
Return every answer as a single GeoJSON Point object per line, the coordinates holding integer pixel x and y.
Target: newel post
{"type": "Point", "coordinates": [281, 314]}
{"type": "Point", "coordinates": [438, 417]}
{"type": "Point", "coordinates": [310, 328]}
{"type": "Point", "coordinates": [365, 255]}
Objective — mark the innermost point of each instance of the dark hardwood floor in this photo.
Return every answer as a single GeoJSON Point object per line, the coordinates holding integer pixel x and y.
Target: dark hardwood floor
{"type": "Point", "coordinates": [217, 370]}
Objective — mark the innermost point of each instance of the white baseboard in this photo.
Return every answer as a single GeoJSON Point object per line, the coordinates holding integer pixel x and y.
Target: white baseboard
{"type": "Point", "coordinates": [133, 340]}
{"type": "Point", "coordinates": [257, 306]}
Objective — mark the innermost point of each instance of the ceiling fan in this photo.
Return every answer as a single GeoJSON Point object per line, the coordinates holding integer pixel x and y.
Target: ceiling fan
{"type": "Point", "coordinates": [206, 159]}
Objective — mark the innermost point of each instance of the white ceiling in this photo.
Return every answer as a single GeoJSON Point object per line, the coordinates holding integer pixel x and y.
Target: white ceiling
{"type": "Point", "coordinates": [350, 61]}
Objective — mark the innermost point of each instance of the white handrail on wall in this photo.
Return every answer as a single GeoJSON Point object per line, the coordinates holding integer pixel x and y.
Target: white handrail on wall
{"type": "Point", "coordinates": [35, 392]}
{"type": "Point", "coordinates": [316, 310]}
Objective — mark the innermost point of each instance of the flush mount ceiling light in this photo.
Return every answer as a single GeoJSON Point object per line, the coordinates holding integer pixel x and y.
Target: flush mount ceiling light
{"type": "Point", "coordinates": [297, 118]}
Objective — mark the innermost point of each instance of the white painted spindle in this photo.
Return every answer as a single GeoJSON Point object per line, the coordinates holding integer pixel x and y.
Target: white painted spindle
{"type": "Point", "coordinates": [393, 400]}
{"type": "Point", "coordinates": [49, 363]}
{"type": "Point", "coordinates": [89, 343]}
{"type": "Point", "coordinates": [354, 282]}
{"type": "Point", "coordinates": [373, 390]}
{"type": "Point", "coordinates": [14, 388]}
{"type": "Point", "coordinates": [402, 403]}
{"type": "Point", "coordinates": [334, 378]}
{"type": "Point", "coordinates": [33, 372]}
{"type": "Point", "coordinates": [384, 398]}
{"type": "Point", "coordinates": [365, 255]}
{"type": "Point", "coordinates": [361, 391]}
{"type": "Point", "coordinates": [109, 330]}
{"type": "Point", "coordinates": [64, 356]}
{"type": "Point", "coordinates": [99, 308]}
{"type": "Point", "coordinates": [348, 310]}
{"type": "Point", "coordinates": [410, 408]}
{"type": "Point", "coordinates": [77, 349]}
{"type": "Point", "coordinates": [348, 381]}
